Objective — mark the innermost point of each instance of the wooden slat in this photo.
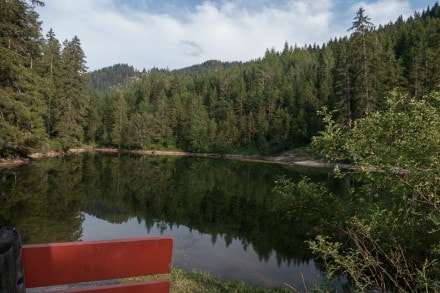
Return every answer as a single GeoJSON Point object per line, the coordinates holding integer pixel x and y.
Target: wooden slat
{"type": "Point", "coordinates": [74, 262]}
{"type": "Point", "coordinates": [158, 286]}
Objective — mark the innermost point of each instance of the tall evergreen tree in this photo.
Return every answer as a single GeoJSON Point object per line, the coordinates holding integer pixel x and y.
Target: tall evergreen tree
{"type": "Point", "coordinates": [362, 62]}
{"type": "Point", "coordinates": [343, 84]}
{"type": "Point", "coordinates": [120, 123]}
{"type": "Point", "coordinates": [195, 128]}
{"type": "Point", "coordinates": [50, 68]}
{"type": "Point", "coordinates": [71, 104]}
{"type": "Point", "coordinates": [22, 102]}
{"type": "Point", "coordinates": [93, 120]}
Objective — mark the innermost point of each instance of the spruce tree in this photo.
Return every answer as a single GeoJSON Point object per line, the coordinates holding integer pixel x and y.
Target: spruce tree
{"type": "Point", "coordinates": [50, 68]}
{"type": "Point", "coordinates": [343, 84]}
{"type": "Point", "coordinates": [120, 123]}
{"type": "Point", "coordinates": [22, 103]}
{"type": "Point", "coordinates": [70, 107]}
{"type": "Point", "coordinates": [362, 55]}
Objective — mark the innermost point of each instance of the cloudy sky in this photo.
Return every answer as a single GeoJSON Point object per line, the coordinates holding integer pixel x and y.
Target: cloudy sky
{"type": "Point", "coordinates": [178, 33]}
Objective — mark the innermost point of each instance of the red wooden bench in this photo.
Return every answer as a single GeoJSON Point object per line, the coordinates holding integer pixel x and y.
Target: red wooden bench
{"type": "Point", "coordinates": [75, 262]}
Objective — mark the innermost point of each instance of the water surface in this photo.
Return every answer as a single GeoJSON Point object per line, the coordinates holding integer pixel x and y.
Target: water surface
{"type": "Point", "coordinates": [219, 212]}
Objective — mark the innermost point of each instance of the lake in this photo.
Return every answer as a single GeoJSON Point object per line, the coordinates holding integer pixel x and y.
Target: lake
{"type": "Point", "coordinates": [219, 212]}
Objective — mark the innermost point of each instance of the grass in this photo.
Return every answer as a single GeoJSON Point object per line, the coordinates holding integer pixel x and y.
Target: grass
{"type": "Point", "coordinates": [196, 282]}
{"type": "Point", "coordinates": [201, 282]}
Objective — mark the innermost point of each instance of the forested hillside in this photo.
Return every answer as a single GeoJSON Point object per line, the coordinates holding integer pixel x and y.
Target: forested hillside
{"type": "Point", "coordinates": [116, 76]}
{"type": "Point", "coordinates": [263, 106]}
{"type": "Point", "coordinates": [205, 67]}
{"type": "Point", "coordinates": [112, 77]}
{"type": "Point", "coordinates": [270, 105]}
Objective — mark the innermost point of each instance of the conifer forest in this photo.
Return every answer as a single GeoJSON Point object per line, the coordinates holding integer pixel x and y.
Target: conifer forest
{"type": "Point", "coordinates": [370, 99]}
{"type": "Point", "coordinates": [265, 106]}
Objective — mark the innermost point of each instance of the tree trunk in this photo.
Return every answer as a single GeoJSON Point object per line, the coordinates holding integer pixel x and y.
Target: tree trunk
{"type": "Point", "coordinates": [11, 268]}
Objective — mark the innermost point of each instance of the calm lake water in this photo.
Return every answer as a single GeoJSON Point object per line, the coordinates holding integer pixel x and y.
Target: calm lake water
{"type": "Point", "coordinates": [219, 212]}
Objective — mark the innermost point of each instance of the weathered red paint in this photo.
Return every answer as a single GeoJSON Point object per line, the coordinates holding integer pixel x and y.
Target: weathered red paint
{"type": "Point", "coordinates": [74, 262]}
{"type": "Point", "coordinates": [139, 287]}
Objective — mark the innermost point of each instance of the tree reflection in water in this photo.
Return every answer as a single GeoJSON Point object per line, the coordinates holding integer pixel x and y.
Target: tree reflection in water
{"type": "Point", "coordinates": [220, 212]}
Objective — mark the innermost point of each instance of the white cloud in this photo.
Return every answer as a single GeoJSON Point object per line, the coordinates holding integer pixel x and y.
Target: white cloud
{"type": "Point", "coordinates": [226, 30]}
{"type": "Point", "coordinates": [110, 34]}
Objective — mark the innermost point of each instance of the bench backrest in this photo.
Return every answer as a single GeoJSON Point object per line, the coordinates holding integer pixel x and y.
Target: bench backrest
{"type": "Point", "coordinates": [74, 262]}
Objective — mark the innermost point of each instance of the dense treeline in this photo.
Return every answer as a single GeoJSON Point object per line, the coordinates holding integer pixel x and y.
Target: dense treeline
{"type": "Point", "coordinates": [43, 88]}
{"type": "Point", "coordinates": [269, 105]}
{"type": "Point", "coordinates": [265, 106]}
{"type": "Point", "coordinates": [112, 77]}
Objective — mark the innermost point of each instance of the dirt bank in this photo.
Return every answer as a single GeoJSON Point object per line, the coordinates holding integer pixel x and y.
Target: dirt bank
{"type": "Point", "coordinates": [287, 160]}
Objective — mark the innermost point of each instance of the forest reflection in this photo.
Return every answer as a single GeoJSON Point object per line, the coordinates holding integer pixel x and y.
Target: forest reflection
{"type": "Point", "coordinates": [232, 200]}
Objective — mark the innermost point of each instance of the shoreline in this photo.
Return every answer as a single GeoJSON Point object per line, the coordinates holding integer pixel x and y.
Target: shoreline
{"type": "Point", "coordinates": [285, 160]}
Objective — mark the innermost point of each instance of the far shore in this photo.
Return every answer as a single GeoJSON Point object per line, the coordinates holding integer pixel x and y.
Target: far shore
{"type": "Point", "coordinates": [286, 160]}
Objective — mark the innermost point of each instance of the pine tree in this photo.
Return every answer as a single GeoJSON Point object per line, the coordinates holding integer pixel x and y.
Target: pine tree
{"type": "Point", "coordinates": [162, 121]}
{"type": "Point", "coordinates": [195, 129]}
{"type": "Point", "coordinates": [22, 100]}
{"type": "Point", "coordinates": [324, 79]}
{"type": "Point", "coordinates": [70, 107]}
{"type": "Point", "coordinates": [120, 123]}
{"type": "Point", "coordinates": [343, 84]}
{"type": "Point", "coordinates": [93, 120]}
{"type": "Point", "coordinates": [50, 68]}
{"type": "Point", "coordinates": [361, 62]}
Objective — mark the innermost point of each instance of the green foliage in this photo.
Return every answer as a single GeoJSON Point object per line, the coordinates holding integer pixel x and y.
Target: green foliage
{"type": "Point", "coordinates": [299, 198]}
{"type": "Point", "coordinates": [55, 145]}
{"type": "Point", "coordinates": [336, 262]}
{"type": "Point", "coordinates": [266, 105]}
{"type": "Point", "coordinates": [42, 91]}
{"type": "Point", "coordinates": [269, 105]}
{"type": "Point", "coordinates": [120, 123]}
{"type": "Point", "coordinates": [105, 79]}
{"type": "Point", "coordinates": [395, 154]}
{"type": "Point", "coordinates": [22, 100]}
{"type": "Point", "coordinates": [330, 143]}
{"type": "Point", "coordinates": [70, 105]}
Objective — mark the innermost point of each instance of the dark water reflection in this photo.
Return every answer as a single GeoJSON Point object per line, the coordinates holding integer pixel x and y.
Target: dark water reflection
{"type": "Point", "coordinates": [219, 212]}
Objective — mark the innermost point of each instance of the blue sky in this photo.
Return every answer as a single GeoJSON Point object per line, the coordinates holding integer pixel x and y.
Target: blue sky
{"type": "Point", "coordinates": [174, 34]}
